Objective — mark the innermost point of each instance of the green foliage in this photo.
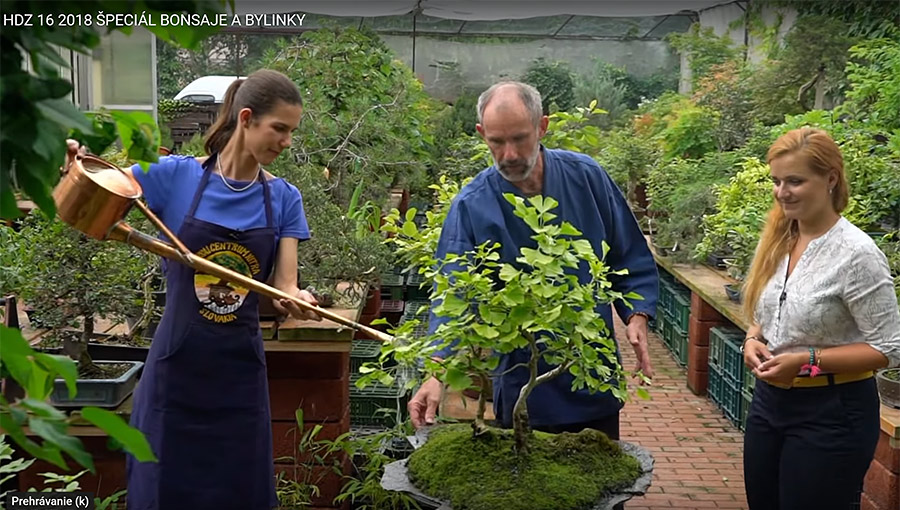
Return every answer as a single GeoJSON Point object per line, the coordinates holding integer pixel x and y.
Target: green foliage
{"type": "Point", "coordinates": [35, 372]}
{"type": "Point", "coordinates": [465, 157]}
{"type": "Point", "coordinates": [69, 278]}
{"type": "Point", "coordinates": [368, 126]}
{"type": "Point", "coordinates": [323, 456]}
{"type": "Point", "coordinates": [365, 114]}
{"type": "Point", "coordinates": [605, 85]}
{"type": "Point", "coordinates": [890, 245]}
{"type": "Point", "coordinates": [171, 109]}
{"type": "Point", "coordinates": [616, 91]}
{"type": "Point", "coordinates": [872, 169]}
{"type": "Point", "coordinates": [413, 246]}
{"type": "Point", "coordinates": [495, 308]}
{"type": "Point", "coordinates": [69, 483]}
{"type": "Point", "coordinates": [681, 193]}
{"type": "Point", "coordinates": [562, 471]}
{"type": "Point", "coordinates": [12, 272]}
{"type": "Point", "coordinates": [874, 76]}
{"type": "Point", "coordinates": [864, 18]}
{"type": "Point", "coordinates": [741, 209]}
{"type": "Point", "coordinates": [37, 115]}
{"type": "Point", "coordinates": [628, 159]}
{"type": "Point", "coordinates": [194, 147]}
{"type": "Point", "coordinates": [690, 132]}
{"type": "Point", "coordinates": [652, 115]}
{"type": "Point", "coordinates": [228, 54]}
{"type": "Point", "coordinates": [725, 90]}
{"type": "Point", "coordinates": [705, 48]}
{"type": "Point", "coordinates": [345, 245]}
{"type": "Point", "coordinates": [9, 467]}
{"type": "Point", "coordinates": [554, 80]}
{"type": "Point", "coordinates": [575, 130]}
{"type": "Point", "coordinates": [812, 42]}
{"type": "Point", "coordinates": [464, 114]}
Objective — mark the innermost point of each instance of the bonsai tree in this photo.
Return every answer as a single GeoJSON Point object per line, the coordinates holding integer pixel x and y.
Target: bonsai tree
{"type": "Point", "coordinates": [69, 279]}
{"type": "Point", "coordinates": [539, 306]}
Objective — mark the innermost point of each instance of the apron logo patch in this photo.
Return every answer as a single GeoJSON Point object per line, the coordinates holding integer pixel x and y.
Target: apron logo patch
{"type": "Point", "coordinates": [220, 299]}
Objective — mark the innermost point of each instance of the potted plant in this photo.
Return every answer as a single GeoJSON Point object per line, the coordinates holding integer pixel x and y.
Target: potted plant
{"type": "Point", "coordinates": [70, 280]}
{"type": "Point", "coordinates": [889, 386]}
{"type": "Point", "coordinates": [549, 312]}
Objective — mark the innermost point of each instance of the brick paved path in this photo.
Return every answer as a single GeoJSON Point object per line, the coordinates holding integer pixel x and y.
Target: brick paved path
{"type": "Point", "coordinates": [697, 450]}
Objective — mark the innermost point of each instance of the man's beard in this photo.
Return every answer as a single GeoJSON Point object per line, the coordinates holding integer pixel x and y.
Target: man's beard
{"type": "Point", "coordinates": [529, 168]}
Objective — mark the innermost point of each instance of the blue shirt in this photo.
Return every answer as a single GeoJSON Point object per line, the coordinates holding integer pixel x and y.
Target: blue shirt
{"type": "Point", "coordinates": [589, 200]}
{"type": "Point", "coordinates": [169, 188]}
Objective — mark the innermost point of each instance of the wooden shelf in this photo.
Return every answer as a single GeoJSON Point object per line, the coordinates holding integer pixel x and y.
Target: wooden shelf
{"type": "Point", "coordinates": [708, 283]}
{"type": "Point", "coordinates": [890, 421]}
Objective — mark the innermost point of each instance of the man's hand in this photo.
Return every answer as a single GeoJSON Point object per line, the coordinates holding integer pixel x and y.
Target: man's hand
{"type": "Point", "coordinates": [286, 306]}
{"type": "Point", "coordinates": [636, 333]}
{"type": "Point", "coordinates": [424, 405]}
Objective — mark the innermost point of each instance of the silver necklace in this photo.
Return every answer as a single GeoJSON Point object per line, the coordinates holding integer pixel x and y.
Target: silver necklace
{"type": "Point", "coordinates": [229, 186]}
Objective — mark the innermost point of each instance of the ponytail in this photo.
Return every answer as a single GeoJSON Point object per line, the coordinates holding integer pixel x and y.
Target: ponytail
{"type": "Point", "coordinates": [220, 132]}
{"type": "Point", "coordinates": [261, 92]}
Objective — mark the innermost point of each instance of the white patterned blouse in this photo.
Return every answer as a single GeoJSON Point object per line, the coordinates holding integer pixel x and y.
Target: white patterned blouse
{"type": "Point", "coordinates": [840, 292]}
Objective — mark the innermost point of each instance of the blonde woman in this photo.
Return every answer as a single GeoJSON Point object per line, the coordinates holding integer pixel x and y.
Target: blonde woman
{"type": "Point", "coordinates": [825, 316]}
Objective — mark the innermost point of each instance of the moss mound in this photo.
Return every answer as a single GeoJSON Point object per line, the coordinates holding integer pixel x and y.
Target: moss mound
{"type": "Point", "coordinates": [560, 472]}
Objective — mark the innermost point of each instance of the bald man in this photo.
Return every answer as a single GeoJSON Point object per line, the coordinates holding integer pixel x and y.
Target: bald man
{"type": "Point", "coordinates": [512, 124]}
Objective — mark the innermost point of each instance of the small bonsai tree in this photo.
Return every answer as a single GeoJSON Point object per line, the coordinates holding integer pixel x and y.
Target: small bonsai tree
{"type": "Point", "coordinates": [69, 279]}
{"type": "Point", "coordinates": [540, 306]}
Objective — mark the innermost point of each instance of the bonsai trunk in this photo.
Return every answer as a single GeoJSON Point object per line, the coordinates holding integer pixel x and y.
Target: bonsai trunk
{"type": "Point", "coordinates": [77, 349]}
{"type": "Point", "coordinates": [521, 428]}
{"type": "Point", "coordinates": [147, 311]}
{"type": "Point", "coordinates": [478, 426]}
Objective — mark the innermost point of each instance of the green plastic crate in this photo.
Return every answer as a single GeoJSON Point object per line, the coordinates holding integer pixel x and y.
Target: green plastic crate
{"type": "Point", "coordinates": [411, 307]}
{"type": "Point", "coordinates": [731, 401]}
{"type": "Point", "coordinates": [733, 367]}
{"type": "Point", "coordinates": [414, 289]}
{"type": "Point", "coordinates": [366, 404]}
{"type": "Point", "coordinates": [717, 337]}
{"type": "Point", "coordinates": [665, 297]}
{"type": "Point", "coordinates": [682, 310]}
{"type": "Point", "coordinates": [749, 381]}
{"type": "Point", "coordinates": [746, 398]}
{"type": "Point", "coordinates": [392, 285]}
{"type": "Point", "coordinates": [667, 333]}
{"type": "Point", "coordinates": [716, 381]}
{"type": "Point", "coordinates": [680, 343]}
{"type": "Point", "coordinates": [363, 350]}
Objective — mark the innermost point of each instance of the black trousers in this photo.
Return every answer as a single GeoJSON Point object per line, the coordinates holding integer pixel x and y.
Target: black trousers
{"type": "Point", "coordinates": [810, 448]}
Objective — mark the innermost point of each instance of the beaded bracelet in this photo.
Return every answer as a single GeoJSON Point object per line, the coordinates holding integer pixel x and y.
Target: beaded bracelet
{"type": "Point", "coordinates": [813, 365]}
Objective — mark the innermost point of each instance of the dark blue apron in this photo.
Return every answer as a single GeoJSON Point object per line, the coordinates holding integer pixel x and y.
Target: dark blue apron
{"type": "Point", "coordinates": [203, 399]}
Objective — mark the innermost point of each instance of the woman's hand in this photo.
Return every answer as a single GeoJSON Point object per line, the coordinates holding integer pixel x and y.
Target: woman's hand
{"type": "Point", "coordinates": [288, 307]}
{"type": "Point", "coordinates": [755, 352]}
{"type": "Point", "coordinates": [781, 369]}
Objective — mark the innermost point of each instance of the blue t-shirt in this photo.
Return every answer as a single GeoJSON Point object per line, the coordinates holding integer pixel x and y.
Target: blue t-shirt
{"type": "Point", "coordinates": [169, 188]}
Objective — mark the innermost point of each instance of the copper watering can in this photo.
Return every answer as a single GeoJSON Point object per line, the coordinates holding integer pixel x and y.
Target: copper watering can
{"type": "Point", "coordinates": [94, 197]}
